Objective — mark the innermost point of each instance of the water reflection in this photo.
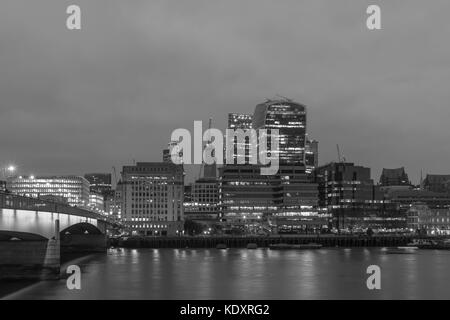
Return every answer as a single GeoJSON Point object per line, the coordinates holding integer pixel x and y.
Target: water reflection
{"type": "Point", "coordinates": [251, 274]}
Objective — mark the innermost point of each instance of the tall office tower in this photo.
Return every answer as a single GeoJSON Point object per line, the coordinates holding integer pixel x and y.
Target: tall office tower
{"type": "Point", "coordinates": [99, 183]}
{"type": "Point", "coordinates": [394, 177]}
{"type": "Point", "coordinates": [311, 155]}
{"type": "Point", "coordinates": [74, 189]}
{"type": "Point", "coordinates": [349, 194]}
{"type": "Point", "coordinates": [289, 118]}
{"type": "Point", "coordinates": [243, 122]}
{"type": "Point", "coordinates": [152, 198]}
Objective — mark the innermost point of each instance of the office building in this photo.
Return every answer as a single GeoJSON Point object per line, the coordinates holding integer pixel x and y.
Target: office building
{"type": "Point", "coordinates": [406, 197]}
{"type": "Point", "coordinates": [427, 221]}
{"type": "Point", "coordinates": [289, 118]}
{"type": "Point", "coordinates": [96, 201]}
{"type": "Point", "coordinates": [202, 200]}
{"type": "Point", "coordinates": [100, 183]}
{"type": "Point", "coordinates": [240, 121]}
{"type": "Point", "coordinates": [113, 202]}
{"type": "Point", "coordinates": [152, 198]}
{"type": "Point", "coordinates": [281, 203]}
{"type": "Point", "coordinates": [73, 188]}
{"type": "Point", "coordinates": [348, 193]}
{"type": "Point", "coordinates": [311, 155]}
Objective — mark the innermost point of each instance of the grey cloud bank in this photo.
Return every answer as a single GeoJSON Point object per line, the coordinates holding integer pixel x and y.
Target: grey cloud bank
{"type": "Point", "coordinates": [81, 101]}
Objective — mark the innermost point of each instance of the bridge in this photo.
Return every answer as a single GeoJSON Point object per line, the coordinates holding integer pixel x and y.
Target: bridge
{"type": "Point", "coordinates": [34, 233]}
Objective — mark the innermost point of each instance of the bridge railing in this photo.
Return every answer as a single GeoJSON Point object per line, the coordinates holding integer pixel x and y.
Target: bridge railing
{"type": "Point", "coordinates": [17, 202]}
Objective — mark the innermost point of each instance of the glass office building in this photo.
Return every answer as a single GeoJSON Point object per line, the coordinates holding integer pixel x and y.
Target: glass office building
{"type": "Point", "coordinates": [289, 118]}
{"type": "Point", "coordinates": [75, 189]}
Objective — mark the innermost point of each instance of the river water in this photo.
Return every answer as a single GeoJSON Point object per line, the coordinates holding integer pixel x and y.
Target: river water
{"type": "Point", "coordinates": [335, 273]}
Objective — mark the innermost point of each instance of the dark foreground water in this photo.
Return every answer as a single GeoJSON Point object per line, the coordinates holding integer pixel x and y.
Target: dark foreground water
{"type": "Point", "coordinates": [251, 274]}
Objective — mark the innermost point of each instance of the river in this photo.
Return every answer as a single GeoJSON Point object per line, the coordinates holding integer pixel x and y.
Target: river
{"type": "Point", "coordinates": [330, 273]}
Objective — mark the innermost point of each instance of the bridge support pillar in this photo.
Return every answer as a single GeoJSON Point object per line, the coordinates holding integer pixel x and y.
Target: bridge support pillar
{"type": "Point", "coordinates": [37, 259]}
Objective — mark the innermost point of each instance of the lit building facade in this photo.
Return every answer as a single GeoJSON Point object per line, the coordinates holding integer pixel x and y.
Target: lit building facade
{"type": "Point", "coordinates": [99, 183]}
{"type": "Point", "coordinates": [427, 221]}
{"type": "Point", "coordinates": [281, 203]}
{"type": "Point", "coordinates": [404, 198]}
{"type": "Point", "coordinates": [311, 155]}
{"type": "Point", "coordinates": [348, 193]}
{"type": "Point", "coordinates": [240, 121]}
{"type": "Point", "coordinates": [289, 118]}
{"type": "Point", "coordinates": [202, 200]}
{"type": "Point", "coordinates": [73, 188]}
{"type": "Point", "coordinates": [96, 201]}
{"type": "Point", "coordinates": [152, 198]}
{"type": "Point", "coordinates": [113, 202]}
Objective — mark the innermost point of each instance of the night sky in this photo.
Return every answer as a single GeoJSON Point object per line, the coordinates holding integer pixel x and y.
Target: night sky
{"type": "Point", "coordinates": [73, 102]}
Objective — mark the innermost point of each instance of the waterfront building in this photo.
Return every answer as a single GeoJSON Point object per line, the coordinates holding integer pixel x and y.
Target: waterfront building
{"type": "Point", "coordinates": [406, 197]}
{"type": "Point", "coordinates": [394, 177]}
{"type": "Point", "coordinates": [289, 118]}
{"type": "Point", "coordinates": [437, 183]}
{"type": "Point", "coordinates": [425, 220]}
{"type": "Point", "coordinates": [348, 193]}
{"type": "Point", "coordinates": [2, 186]}
{"type": "Point", "coordinates": [202, 200]}
{"type": "Point", "coordinates": [311, 155]}
{"type": "Point", "coordinates": [100, 183]}
{"type": "Point", "coordinates": [281, 203]}
{"type": "Point", "coordinates": [152, 198]}
{"type": "Point", "coordinates": [74, 188]}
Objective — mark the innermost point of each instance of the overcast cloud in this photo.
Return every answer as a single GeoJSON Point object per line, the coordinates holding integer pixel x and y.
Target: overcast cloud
{"type": "Point", "coordinates": [83, 101]}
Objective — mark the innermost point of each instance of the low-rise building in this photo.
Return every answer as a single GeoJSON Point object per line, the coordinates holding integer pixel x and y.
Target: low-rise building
{"type": "Point", "coordinates": [425, 220]}
{"type": "Point", "coordinates": [74, 188]}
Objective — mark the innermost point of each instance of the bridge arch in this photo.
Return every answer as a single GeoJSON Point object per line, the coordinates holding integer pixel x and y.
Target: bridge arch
{"type": "Point", "coordinates": [81, 228]}
{"type": "Point", "coordinates": [20, 236]}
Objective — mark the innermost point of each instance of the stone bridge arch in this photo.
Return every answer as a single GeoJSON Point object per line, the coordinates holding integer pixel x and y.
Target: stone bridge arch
{"type": "Point", "coordinates": [82, 228]}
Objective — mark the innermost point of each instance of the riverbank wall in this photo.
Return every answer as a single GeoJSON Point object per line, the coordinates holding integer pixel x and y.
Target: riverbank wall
{"type": "Point", "coordinates": [262, 242]}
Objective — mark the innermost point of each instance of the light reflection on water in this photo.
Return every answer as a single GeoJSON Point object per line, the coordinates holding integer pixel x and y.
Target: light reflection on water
{"type": "Point", "coordinates": [252, 274]}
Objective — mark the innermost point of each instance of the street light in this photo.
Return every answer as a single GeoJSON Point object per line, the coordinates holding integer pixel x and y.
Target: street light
{"type": "Point", "coordinates": [8, 171]}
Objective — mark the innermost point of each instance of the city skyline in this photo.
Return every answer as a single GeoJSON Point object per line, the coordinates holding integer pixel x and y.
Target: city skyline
{"type": "Point", "coordinates": [204, 66]}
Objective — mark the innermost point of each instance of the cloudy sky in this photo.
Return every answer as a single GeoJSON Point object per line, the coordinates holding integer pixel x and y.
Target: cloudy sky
{"type": "Point", "coordinates": [84, 101]}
